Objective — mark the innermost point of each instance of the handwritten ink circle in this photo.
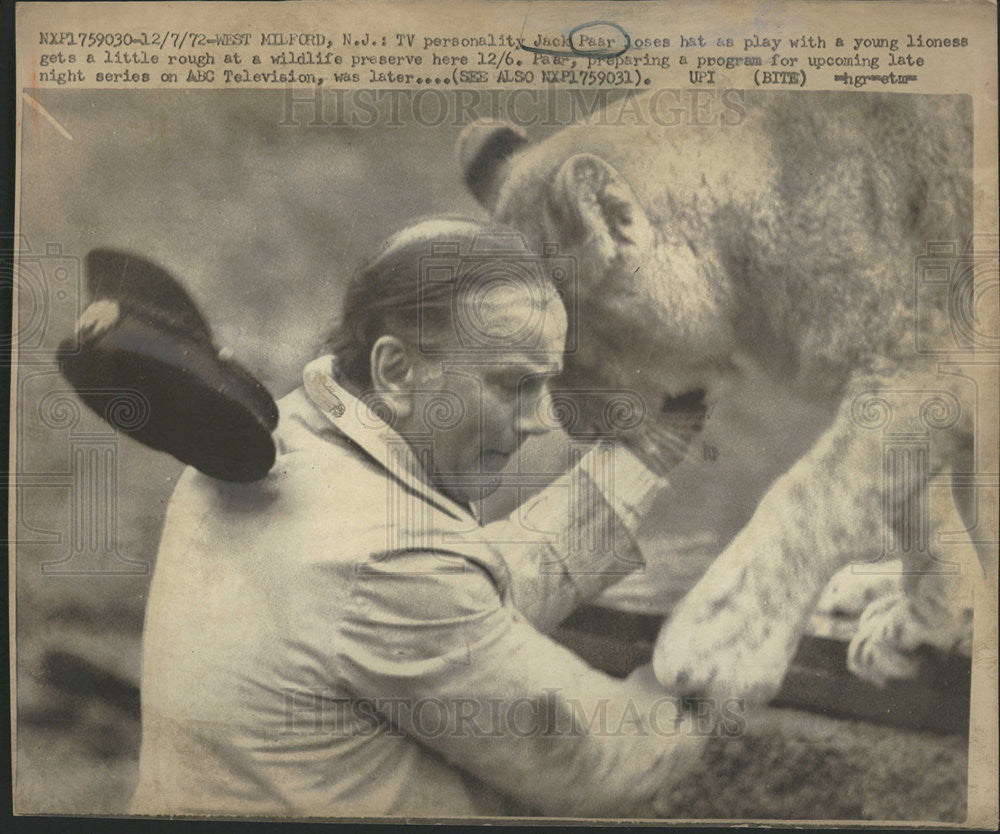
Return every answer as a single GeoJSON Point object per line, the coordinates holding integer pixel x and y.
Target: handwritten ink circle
{"type": "Point", "coordinates": [598, 53]}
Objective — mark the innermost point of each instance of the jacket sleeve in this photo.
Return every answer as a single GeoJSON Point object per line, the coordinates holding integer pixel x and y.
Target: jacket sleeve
{"type": "Point", "coordinates": [447, 660]}
{"type": "Point", "coordinates": [575, 538]}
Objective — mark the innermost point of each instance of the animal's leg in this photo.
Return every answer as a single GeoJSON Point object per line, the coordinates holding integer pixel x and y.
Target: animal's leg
{"type": "Point", "coordinates": [854, 496]}
{"type": "Point", "coordinates": [734, 634]}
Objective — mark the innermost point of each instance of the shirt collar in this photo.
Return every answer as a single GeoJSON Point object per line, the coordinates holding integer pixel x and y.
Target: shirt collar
{"type": "Point", "coordinates": [357, 420]}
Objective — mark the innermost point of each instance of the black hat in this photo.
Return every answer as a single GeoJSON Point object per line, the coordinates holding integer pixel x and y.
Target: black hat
{"type": "Point", "coordinates": [143, 335]}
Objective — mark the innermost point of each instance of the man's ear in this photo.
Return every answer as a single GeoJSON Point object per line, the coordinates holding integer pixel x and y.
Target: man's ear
{"type": "Point", "coordinates": [393, 375]}
{"type": "Point", "coordinates": [484, 149]}
{"type": "Point", "coordinates": [600, 205]}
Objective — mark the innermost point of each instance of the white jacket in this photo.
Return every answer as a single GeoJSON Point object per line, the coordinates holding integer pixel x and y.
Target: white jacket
{"type": "Point", "coordinates": [339, 639]}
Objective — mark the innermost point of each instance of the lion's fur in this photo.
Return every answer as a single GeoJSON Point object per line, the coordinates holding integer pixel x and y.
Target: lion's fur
{"type": "Point", "coordinates": [784, 240]}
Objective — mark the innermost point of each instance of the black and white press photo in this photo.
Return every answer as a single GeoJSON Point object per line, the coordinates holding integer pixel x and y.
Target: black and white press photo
{"type": "Point", "coordinates": [453, 412]}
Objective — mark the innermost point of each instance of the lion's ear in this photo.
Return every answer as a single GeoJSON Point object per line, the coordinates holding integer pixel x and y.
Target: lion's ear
{"type": "Point", "coordinates": [602, 205]}
{"type": "Point", "coordinates": [484, 148]}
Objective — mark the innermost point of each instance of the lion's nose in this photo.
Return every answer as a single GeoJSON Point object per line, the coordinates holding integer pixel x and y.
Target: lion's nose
{"type": "Point", "coordinates": [689, 402]}
{"type": "Point", "coordinates": [685, 413]}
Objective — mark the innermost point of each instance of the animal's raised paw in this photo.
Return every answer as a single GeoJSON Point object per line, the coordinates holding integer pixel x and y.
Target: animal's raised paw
{"type": "Point", "coordinates": [720, 651]}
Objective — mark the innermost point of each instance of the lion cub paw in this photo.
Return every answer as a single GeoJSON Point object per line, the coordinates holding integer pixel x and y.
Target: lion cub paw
{"type": "Point", "coordinates": [888, 633]}
{"type": "Point", "coordinates": [892, 628]}
{"type": "Point", "coordinates": [721, 650]}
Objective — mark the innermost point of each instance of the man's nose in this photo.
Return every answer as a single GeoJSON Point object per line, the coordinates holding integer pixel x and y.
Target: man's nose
{"type": "Point", "coordinates": [533, 414]}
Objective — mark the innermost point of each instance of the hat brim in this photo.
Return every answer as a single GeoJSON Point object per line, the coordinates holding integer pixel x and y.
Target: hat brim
{"type": "Point", "coordinates": [205, 411]}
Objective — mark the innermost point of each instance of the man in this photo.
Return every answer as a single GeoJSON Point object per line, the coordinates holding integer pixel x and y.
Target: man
{"type": "Point", "coordinates": [343, 638]}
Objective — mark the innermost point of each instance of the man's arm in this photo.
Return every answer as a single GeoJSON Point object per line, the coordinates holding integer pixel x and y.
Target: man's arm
{"type": "Point", "coordinates": [575, 538]}
{"type": "Point", "coordinates": [427, 638]}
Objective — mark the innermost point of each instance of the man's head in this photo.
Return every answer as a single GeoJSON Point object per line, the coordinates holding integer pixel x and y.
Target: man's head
{"type": "Point", "coordinates": [457, 330]}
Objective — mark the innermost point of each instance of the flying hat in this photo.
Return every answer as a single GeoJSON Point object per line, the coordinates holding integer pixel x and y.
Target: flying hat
{"type": "Point", "coordinates": [143, 335]}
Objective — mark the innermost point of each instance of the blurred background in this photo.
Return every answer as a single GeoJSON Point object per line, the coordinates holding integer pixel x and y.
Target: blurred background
{"type": "Point", "coordinates": [262, 205]}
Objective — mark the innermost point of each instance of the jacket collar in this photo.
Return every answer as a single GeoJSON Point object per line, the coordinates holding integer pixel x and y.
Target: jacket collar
{"type": "Point", "coordinates": [358, 421]}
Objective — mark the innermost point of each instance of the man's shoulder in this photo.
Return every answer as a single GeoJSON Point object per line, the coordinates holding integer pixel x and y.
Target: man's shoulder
{"type": "Point", "coordinates": [320, 485]}
{"type": "Point", "coordinates": [312, 448]}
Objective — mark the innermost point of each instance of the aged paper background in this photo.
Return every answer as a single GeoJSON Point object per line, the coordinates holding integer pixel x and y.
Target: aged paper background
{"type": "Point", "coordinates": [151, 127]}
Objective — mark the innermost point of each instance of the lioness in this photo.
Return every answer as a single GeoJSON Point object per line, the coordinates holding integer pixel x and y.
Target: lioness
{"type": "Point", "coordinates": [763, 265]}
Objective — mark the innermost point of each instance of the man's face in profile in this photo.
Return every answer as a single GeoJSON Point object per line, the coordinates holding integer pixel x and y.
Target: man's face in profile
{"type": "Point", "coordinates": [503, 390]}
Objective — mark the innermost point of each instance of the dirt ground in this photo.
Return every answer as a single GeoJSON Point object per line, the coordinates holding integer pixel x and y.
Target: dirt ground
{"type": "Point", "coordinates": [794, 765]}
